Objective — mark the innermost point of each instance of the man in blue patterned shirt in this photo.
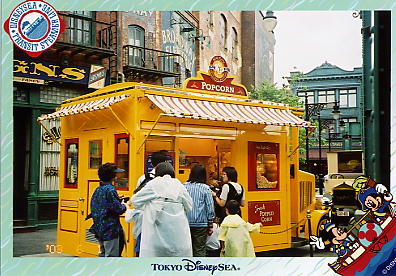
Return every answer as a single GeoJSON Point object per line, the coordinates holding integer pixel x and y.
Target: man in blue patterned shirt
{"type": "Point", "coordinates": [106, 208]}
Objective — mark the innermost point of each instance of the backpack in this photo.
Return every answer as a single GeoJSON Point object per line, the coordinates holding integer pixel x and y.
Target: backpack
{"type": "Point", "coordinates": [147, 177]}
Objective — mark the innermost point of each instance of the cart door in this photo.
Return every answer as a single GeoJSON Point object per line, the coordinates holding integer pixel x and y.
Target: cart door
{"type": "Point", "coordinates": [93, 153]}
{"type": "Point", "coordinates": [97, 153]}
{"type": "Point", "coordinates": [268, 196]}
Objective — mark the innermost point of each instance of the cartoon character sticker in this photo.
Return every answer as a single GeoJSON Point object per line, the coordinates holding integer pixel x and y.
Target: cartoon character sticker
{"type": "Point", "coordinates": [372, 196]}
{"type": "Point", "coordinates": [374, 231]}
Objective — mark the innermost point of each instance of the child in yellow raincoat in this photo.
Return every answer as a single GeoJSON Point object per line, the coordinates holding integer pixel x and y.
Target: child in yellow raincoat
{"type": "Point", "coordinates": [234, 234]}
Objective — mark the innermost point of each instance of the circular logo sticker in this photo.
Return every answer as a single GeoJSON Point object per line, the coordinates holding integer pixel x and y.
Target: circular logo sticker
{"type": "Point", "coordinates": [34, 26]}
{"type": "Point", "coordinates": [218, 69]}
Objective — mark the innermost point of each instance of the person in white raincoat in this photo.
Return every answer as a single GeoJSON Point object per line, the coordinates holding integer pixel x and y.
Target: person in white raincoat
{"type": "Point", "coordinates": [164, 202]}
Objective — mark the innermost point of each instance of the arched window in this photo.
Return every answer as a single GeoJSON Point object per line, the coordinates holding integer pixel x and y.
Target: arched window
{"type": "Point", "coordinates": [136, 42]}
{"type": "Point", "coordinates": [234, 46]}
{"type": "Point", "coordinates": [223, 31]}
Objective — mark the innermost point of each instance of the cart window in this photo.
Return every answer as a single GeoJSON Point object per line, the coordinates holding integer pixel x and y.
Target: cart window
{"type": "Point", "coordinates": [263, 166]}
{"type": "Point", "coordinates": [95, 154]}
{"type": "Point", "coordinates": [71, 163]}
{"type": "Point", "coordinates": [122, 160]}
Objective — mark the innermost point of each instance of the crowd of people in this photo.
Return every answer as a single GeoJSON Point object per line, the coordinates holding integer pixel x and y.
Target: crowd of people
{"type": "Point", "coordinates": [173, 219]}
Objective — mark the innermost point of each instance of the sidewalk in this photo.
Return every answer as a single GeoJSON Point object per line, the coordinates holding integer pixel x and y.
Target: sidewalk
{"type": "Point", "coordinates": [34, 244]}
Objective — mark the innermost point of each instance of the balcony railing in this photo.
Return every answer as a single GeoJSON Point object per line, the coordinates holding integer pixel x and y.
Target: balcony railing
{"type": "Point", "coordinates": [86, 32]}
{"type": "Point", "coordinates": [139, 60]}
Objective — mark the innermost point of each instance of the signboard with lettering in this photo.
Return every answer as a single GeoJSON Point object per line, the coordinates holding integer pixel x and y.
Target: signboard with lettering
{"type": "Point", "coordinates": [97, 77]}
{"type": "Point", "coordinates": [42, 70]}
{"type": "Point", "coordinates": [266, 212]}
{"type": "Point", "coordinates": [216, 80]}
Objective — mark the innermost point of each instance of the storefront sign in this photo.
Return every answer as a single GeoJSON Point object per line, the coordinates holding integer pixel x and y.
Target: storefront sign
{"type": "Point", "coordinates": [51, 171]}
{"type": "Point", "coordinates": [266, 212]}
{"type": "Point", "coordinates": [217, 80]}
{"type": "Point", "coordinates": [28, 80]}
{"type": "Point", "coordinates": [97, 77]}
{"type": "Point", "coordinates": [49, 138]}
{"type": "Point", "coordinates": [42, 70]}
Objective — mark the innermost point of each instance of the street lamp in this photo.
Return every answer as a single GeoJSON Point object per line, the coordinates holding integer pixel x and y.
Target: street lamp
{"type": "Point", "coordinates": [314, 109]}
{"type": "Point", "coordinates": [270, 21]}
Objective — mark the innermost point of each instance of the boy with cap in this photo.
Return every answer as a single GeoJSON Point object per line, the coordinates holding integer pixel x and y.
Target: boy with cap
{"type": "Point", "coordinates": [106, 208]}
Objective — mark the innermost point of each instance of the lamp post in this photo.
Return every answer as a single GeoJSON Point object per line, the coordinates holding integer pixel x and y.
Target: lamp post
{"type": "Point", "coordinates": [270, 21]}
{"type": "Point", "coordinates": [347, 138]}
{"type": "Point", "coordinates": [314, 109]}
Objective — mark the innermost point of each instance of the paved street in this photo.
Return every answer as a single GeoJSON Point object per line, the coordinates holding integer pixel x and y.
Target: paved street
{"type": "Point", "coordinates": [33, 244]}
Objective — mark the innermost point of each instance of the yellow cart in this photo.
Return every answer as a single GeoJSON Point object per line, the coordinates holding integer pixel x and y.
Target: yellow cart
{"type": "Point", "coordinates": [124, 123]}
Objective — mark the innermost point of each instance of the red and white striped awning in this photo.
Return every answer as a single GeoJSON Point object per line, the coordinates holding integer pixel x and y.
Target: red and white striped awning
{"type": "Point", "coordinates": [84, 107]}
{"type": "Point", "coordinates": [220, 111]}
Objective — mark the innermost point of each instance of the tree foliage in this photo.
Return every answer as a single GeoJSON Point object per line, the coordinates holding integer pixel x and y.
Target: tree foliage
{"type": "Point", "coordinates": [267, 91]}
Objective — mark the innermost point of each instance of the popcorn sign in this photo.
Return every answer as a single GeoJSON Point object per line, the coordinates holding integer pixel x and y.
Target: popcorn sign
{"type": "Point", "coordinates": [266, 212]}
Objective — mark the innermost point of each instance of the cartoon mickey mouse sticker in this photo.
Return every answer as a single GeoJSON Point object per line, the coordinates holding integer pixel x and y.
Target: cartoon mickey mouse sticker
{"type": "Point", "coordinates": [373, 196]}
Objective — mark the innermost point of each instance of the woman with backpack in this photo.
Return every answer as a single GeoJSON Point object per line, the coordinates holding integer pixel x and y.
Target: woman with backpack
{"type": "Point", "coordinates": [231, 190]}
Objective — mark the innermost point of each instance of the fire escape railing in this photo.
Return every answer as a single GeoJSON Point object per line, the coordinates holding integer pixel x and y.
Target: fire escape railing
{"type": "Point", "coordinates": [85, 31]}
{"type": "Point", "coordinates": [151, 59]}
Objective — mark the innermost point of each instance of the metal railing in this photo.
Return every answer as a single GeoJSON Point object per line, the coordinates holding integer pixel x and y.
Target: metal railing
{"type": "Point", "coordinates": [145, 58]}
{"type": "Point", "coordinates": [85, 31]}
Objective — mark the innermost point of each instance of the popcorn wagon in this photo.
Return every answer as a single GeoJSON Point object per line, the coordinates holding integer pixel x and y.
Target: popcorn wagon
{"type": "Point", "coordinates": [211, 122]}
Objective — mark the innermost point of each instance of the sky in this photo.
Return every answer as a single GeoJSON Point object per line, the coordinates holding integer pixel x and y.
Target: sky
{"type": "Point", "coordinates": [306, 39]}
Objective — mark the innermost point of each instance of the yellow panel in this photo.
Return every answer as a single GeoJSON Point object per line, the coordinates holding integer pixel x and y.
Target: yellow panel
{"type": "Point", "coordinates": [157, 145]}
{"type": "Point", "coordinates": [68, 220]}
{"type": "Point", "coordinates": [198, 147]}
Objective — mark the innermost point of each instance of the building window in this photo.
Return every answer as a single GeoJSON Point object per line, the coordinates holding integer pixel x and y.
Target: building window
{"type": "Point", "coordinates": [56, 95]}
{"type": "Point", "coordinates": [348, 98]}
{"type": "Point", "coordinates": [49, 156]}
{"type": "Point", "coordinates": [81, 29]}
{"type": "Point", "coordinates": [20, 95]}
{"type": "Point", "coordinates": [326, 96]}
{"type": "Point", "coordinates": [136, 38]}
{"type": "Point", "coordinates": [71, 165]}
{"type": "Point", "coordinates": [309, 94]}
{"type": "Point", "coordinates": [234, 46]}
{"type": "Point", "coordinates": [223, 31]}
{"type": "Point", "coordinates": [122, 160]}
